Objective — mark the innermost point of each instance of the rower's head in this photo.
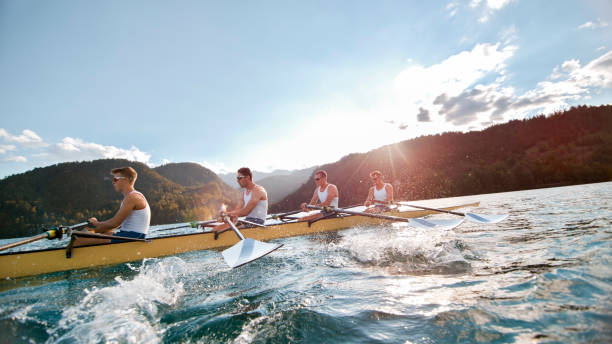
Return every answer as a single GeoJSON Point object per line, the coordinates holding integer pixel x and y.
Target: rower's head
{"type": "Point", "coordinates": [123, 177]}
{"type": "Point", "coordinates": [376, 176]}
{"type": "Point", "coordinates": [244, 176]}
{"type": "Point", "coordinates": [320, 177]}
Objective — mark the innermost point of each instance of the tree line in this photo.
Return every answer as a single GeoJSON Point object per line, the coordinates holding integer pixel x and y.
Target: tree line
{"type": "Point", "coordinates": [568, 147]}
{"type": "Point", "coordinates": [72, 192]}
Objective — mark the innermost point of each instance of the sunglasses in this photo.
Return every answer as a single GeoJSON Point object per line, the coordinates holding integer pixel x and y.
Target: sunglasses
{"type": "Point", "coordinates": [240, 177]}
{"type": "Point", "coordinates": [116, 179]}
{"type": "Point", "coordinates": [317, 179]}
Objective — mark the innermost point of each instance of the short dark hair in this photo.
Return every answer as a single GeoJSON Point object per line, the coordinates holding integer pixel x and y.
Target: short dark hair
{"type": "Point", "coordinates": [245, 171]}
{"type": "Point", "coordinates": [322, 173]}
{"type": "Point", "coordinates": [375, 172]}
{"type": "Point", "coordinates": [127, 171]}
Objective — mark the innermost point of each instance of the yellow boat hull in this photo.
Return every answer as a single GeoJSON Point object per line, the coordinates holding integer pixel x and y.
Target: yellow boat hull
{"type": "Point", "coordinates": [29, 263]}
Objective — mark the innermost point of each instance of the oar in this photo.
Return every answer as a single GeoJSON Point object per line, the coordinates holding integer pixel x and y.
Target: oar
{"type": "Point", "coordinates": [421, 223]}
{"type": "Point", "coordinates": [472, 217]}
{"type": "Point", "coordinates": [251, 223]}
{"type": "Point", "coordinates": [106, 236]}
{"type": "Point", "coordinates": [278, 216]}
{"type": "Point", "coordinates": [190, 224]}
{"type": "Point", "coordinates": [50, 234]}
{"type": "Point", "coordinates": [246, 250]}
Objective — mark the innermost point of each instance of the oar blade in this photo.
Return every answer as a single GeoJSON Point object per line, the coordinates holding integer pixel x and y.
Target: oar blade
{"type": "Point", "coordinates": [485, 218]}
{"type": "Point", "coordinates": [246, 251]}
{"type": "Point", "coordinates": [437, 224]}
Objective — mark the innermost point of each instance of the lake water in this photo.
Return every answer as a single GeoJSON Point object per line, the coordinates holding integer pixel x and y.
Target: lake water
{"type": "Point", "coordinates": [542, 276]}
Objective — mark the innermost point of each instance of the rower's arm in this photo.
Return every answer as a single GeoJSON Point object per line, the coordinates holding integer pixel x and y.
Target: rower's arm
{"type": "Point", "coordinates": [315, 197]}
{"type": "Point", "coordinates": [312, 201]}
{"type": "Point", "coordinates": [389, 189]}
{"type": "Point", "coordinates": [258, 195]}
{"type": "Point", "coordinates": [130, 202]}
{"type": "Point", "coordinates": [370, 197]}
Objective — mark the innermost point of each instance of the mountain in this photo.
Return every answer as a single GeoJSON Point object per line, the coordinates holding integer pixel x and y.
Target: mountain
{"type": "Point", "coordinates": [278, 183]}
{"type": "Point", "coordinates": [188, 174]}
{"type": "Point", "coordinates": [279, 186]}
{"type": "Point", "coordinates": [72, 192]}
{"type": "Point", "coordinates": [570, 147]}
{"type": "Point", "coordinates": [230, 177]}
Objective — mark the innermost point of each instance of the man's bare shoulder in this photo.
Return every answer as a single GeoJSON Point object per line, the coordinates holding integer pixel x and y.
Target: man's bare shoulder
{"type": "Point", "coordinates": [261, 190]}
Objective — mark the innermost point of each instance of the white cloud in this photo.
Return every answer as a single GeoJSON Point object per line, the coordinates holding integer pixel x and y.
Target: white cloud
{"type": "Point", "coordinates": [28, 138]}
{"type": "Point", "coordinates": [491, 6]}
{"type": "Point", "coordinates": [570, 82]}
{"type": "Point", "coordinates": [73, 149]}
{"type": "Point", "coordinates": [17, 158]}
{"type": "Point", "coordinates": [452, 8]}
{"type": "Point", "coordinates": [497, 4]}
{"type": "Point", "coordinates": [217, 167]}
{"type": "Point", "coordinates": [509, 34]}
{"type": "Point", "coordinates": [6, 148]}
{"type": "Point", "coordinates": [593, 25]}
{"type": "Point", "coordinates": [418, 86]}
{"type": "Point", "coordinates": [455, 94]}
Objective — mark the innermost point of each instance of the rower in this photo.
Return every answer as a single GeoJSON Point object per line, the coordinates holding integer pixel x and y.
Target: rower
{"type": "Point", "coordinates": [380, 194]}
{"type": "Point", "coordinates": [325, 193]}
{"type": "Point", "coordinates": [253, 205]}
{"type": "Point", "coordinates": [134, 214]}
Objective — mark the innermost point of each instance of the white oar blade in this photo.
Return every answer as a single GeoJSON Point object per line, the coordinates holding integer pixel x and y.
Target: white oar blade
{"type": "Point", "coordinates": [246, 251]}
{"type": "Point", "coordinates": [488, 218]}
{"type": "Point", "coordinates": [437, 224]}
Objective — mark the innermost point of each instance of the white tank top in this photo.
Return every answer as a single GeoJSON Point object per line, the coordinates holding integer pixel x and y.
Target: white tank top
{"type": "Point", "coordinates": [260, 211]}
{"type": "Point", "coordinates": [380, 195]}
{"type": "Point", "coordinates": [138, 220]}
{"type": "Point", "coordinates": [323, 196]}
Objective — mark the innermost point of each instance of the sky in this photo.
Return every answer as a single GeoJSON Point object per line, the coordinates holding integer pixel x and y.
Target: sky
{"type": "Point", "coordinates": [282, 84]}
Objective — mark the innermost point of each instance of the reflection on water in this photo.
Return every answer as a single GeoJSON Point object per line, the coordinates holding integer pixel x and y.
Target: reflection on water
{"type": "Point", "coordinates": [543, 275]}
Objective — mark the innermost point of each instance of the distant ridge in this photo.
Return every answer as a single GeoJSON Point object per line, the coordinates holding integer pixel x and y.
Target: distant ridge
{"type": "Point", "coordinates": [230, 177]}
{"type": "Point", "coordinates": [570, 147]}
{"type": "Point", "coordinates": [278, 183]}
{"type": "Point", "coordinates": [72, 192]}
{"type": "Point", "coordinates": [188, 174]}
{"type": "Point", "coordinates": [279, 186]}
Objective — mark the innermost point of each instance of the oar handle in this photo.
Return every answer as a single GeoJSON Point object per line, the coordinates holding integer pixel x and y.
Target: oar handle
{"type": "Point", "coordinates": [233, 226]}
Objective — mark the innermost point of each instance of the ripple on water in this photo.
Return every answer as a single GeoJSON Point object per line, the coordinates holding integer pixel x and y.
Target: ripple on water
{"type": "Point", "coordinates": [409, 252]}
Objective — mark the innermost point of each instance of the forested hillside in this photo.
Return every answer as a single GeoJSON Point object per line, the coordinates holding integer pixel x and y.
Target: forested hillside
{"type": "Point", "coordinates": [72, 192]}
{"type": "Point", "coordinates": [570, 147]}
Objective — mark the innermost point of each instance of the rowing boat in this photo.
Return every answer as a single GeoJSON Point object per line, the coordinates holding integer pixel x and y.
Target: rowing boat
{"type": "Point", "coordinates": [27, 263]}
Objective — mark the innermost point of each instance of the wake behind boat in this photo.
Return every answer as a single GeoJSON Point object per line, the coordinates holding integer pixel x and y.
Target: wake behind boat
{"type": "Point", "coordinates": [27, 263]}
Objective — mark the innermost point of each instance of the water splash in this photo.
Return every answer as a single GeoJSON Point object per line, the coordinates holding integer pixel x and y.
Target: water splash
{"type": "Point", "coordinates": [407, 250]}
{"type": "Point", "coordinates": [127, 311]}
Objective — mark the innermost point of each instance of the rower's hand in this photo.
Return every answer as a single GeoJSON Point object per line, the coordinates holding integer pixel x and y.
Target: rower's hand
{"type": "Point", "coordinates": [303, 206]}
{"type": "Point", "coordinates": [93, 222]}
{"type": "Point", "coordinates": [367, 203]}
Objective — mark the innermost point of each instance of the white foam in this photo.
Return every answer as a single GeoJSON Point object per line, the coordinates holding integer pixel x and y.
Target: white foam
{"type": "Point", "coordinates": [125, 312]}
{"type": "Point", "coordinates": [412, 248]}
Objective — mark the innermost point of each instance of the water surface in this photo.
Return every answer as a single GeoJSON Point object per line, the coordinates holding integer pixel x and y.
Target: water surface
{"type": "Point", "coordinates": [544, 276]}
